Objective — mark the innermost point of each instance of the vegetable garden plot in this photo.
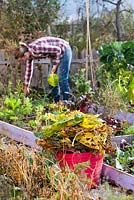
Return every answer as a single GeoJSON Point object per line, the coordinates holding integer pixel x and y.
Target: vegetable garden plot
{"type": "Point", "coordinates": [121, 178]}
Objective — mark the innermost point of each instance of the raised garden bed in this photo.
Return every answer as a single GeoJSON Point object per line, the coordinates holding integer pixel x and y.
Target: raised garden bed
{"type": "Point", "coordinates": [121, 178]}
{"type": "Point", "coordinates": [18, 134]}
{"type": "Point", "coordinates": [125, 180]}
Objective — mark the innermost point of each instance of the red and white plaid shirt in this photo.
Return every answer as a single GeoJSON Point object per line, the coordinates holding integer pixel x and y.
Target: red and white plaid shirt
{"type": "Point", "coordinates": [51, 47]}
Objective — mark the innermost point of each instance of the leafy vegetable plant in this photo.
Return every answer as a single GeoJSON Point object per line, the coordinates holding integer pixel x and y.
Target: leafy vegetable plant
{"type": "Point", "coordinates": [82, 86]}
{"type": "Point", "coordinates": [117, 64]}
{"type": "Point", "coordinates": [123, 158]}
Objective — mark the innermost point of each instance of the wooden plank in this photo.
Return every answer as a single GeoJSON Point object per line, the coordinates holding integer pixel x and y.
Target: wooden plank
{"type": "Point", "coordinates": [3, 75]}
{"type": "Point", "coordinates": [121, 178]}
{"type": "Point", "coordinates": [35, 77]}
{"type": "Point", "coordinates": [74, 61]}
{"type": "Point", "coordinates": [46, 61]}
{"type": "Point", "coordinates": [4, 62]}
{"type": "Point", "coordinates": [45, 72]}
{"type": "Point", "coordinates": [118, 139]}
{"type": "Point", "coordinates": [127, 116]}
{"type": "Point", "coordinates": [18, 134]}
{"type": "Point", "coordinates": [42, 61]}
{"type": "Point", "coordinates": [3, 56]}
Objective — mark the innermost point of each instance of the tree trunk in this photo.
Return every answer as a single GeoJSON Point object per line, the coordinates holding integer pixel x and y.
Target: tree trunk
{"type": "Point", "coordinates": [119, 35]}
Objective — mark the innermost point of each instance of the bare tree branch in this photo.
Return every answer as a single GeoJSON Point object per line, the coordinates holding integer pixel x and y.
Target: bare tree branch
{"type": "Point", "coordinates": [129, 11]}
{"type": "Point", "coordinates": [108, 1]}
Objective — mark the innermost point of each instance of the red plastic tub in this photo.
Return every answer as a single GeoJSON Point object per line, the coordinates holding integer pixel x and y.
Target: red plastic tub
{"type": "Point", "coordinates": [91, 164]}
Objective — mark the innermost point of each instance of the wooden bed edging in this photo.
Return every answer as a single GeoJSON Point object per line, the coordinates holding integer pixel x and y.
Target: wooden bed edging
{"type": "Point", "coordinates": [117, 139]}
{"type": "Point", "coordinates": [121, 178]}
{"type": "Point", "coordinates": [18, 134]}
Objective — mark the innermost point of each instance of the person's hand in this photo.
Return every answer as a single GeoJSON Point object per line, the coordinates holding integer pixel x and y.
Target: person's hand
{"type": "Point", "coordinates": [54, 69]}
{"type": "Point", "coordinates": [26, 90]}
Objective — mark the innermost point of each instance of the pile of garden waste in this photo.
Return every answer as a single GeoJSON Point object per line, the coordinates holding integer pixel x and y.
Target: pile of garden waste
{"type": "Point", "coordinates": [75, 130]}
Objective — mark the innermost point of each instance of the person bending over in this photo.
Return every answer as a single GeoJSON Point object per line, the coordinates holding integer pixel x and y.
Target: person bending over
{"type": "Point", "coordinates": [60, 54]}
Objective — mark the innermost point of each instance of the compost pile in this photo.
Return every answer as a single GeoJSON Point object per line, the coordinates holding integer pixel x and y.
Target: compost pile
{"type": "Point", "coordinates": [76, 130]}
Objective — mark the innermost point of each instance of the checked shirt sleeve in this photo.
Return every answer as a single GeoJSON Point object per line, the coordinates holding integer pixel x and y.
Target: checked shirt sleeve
{"type": "Point", "coordinates": [28, 72]}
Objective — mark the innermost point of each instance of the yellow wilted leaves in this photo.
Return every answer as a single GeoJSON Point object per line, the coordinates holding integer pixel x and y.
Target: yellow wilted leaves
{"type": "Point", "coordinates": [61, 120]}
{"type": "Point", "coordinates": [94, 139]}
{"type": "Point", "coordinates": [91, 121]}
{"type": "Point", "coordinates": [72, 127]}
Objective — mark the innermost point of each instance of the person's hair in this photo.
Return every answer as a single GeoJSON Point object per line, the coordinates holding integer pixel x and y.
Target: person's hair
{"type": "Point", "coordinates": [20, 51]}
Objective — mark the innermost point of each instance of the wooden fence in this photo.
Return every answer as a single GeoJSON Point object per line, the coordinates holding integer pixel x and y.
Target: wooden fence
{"type": "Point", "coordinates": [11, 70]}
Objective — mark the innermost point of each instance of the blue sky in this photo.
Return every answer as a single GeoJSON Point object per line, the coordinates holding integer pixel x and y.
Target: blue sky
{"type": "Point", "coordinates": [70, 9]}
{"type": "Point", "coordinates": [71, 6]}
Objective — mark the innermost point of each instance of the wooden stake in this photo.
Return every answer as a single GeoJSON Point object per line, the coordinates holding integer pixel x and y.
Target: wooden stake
{"type": "Point", "coordinates": [88, 48]}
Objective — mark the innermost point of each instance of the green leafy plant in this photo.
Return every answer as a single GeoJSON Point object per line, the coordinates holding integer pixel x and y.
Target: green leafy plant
{"type": "Point", "coordinates": [39, 118]}
{"type": "Point", "coordinates": [129, 130]}
{"type": "Point", "coordinates": [117, 64]}
{"type": "Point", "coordinates": [15, 109]}
{"type": "Point", "coordinates": [12, 103]}
{"type": "Point", "coordinates": [24, 111]}
{"type": "Point", "coordinates": [82, 85]}
{"type": "Point", "coordinates": [123, 157]}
